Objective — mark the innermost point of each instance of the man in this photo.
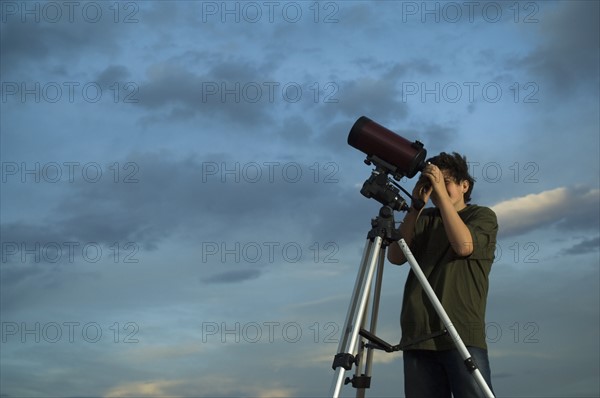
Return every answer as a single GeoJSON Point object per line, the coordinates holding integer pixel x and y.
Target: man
{"type": "Point", "coordinates": [454, 244]}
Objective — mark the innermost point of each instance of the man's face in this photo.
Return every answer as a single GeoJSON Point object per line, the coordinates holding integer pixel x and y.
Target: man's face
{"type": "Point", "coordinates": [455, 191]}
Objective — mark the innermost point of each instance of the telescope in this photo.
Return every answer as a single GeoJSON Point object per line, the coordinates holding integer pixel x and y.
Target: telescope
{"type": "Point", "coordinates": [392, 155]}
{"type": "Point", "coordinates": [406, 158]}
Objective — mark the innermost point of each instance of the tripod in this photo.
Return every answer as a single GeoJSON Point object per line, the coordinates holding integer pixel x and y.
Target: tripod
{"type": "Point", "coordinates": [351, 348]}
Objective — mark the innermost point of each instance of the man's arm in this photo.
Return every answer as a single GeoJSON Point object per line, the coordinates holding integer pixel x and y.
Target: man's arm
{"type": "Point", "coordinates": [421, 191]}
{"type": "Point", "coordinates": [407, 231]}
{"type": "Point", "coordinates": [457, 231]}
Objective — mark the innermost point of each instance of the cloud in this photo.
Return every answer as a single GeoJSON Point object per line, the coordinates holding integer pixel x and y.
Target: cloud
{"type": "Point", "coordinates": [156, 388]}
{"type": "Point", "coordinates": [585, 246]}
{"type": "Point", "coordinates": [573, 207]}
{"type": "Point", "coordinates": [175, 90]}
{"type": "Point", "coordinates": [233, 276]}
{"type": "Point", "coordinates": [376, 93]}
{"type": "Point", "coordinates": [32, 44]}
{"type": "Point", "coordinates": [112, 74]}
{"type": "Point", "coordinates": [207, 385]}
{"type": "Point", "coordinates": [198, 199]}
{"type": "Point", "coordinates": [436, 137]}
{"type": "Point", "coordinates": [568, 56]}
{"type": "Point", "coordinates": [376, 97]}
{"type": "Point", "coordinates": [275, 392]}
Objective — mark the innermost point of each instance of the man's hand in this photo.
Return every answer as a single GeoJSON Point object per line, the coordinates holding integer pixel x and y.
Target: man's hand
{"type": "Point", "coordinates": [422, 191]}
{"type": "Point", "coordinates": [434, 184]}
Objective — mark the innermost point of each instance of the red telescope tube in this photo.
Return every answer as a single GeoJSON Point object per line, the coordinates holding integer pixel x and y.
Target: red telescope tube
{"type": "Point", "coordinates": [375, 140]}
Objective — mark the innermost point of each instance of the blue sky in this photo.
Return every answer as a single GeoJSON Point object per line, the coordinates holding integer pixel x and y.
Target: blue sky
{"type": "Point", "coordinates": [180, 211]}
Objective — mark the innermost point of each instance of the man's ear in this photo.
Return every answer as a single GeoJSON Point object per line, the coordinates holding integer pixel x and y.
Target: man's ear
{"type": "Point", "coordinates": [464, 186]}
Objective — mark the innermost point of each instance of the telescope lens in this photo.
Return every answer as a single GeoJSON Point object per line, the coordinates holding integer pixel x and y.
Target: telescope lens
{"type": "Point", "coordinates": [375, 140]}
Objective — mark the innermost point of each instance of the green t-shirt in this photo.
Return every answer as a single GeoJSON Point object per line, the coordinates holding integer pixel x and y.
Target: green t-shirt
{"type": "Point", "coordinates": [460, 283]}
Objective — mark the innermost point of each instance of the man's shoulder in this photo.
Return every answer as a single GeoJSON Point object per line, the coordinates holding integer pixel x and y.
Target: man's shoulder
{"type": "Point", "coordinates": [480, 210]}
{"type": "Point", "coordinates": [471, 212]}
{"type": "Point", "coordinates": [474, 214]}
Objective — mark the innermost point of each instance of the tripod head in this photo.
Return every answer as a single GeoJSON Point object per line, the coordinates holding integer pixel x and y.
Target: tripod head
{"type": "Point", "coordinates": [382, 188]}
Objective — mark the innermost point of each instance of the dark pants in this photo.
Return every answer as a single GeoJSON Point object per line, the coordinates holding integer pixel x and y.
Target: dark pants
{"type": "Point", "coordinates": [438, 374]}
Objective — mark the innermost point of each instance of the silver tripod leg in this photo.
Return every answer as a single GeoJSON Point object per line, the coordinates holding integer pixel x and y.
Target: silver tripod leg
{"type": "Point", "coordinates": [348, 346]}
{"type": "Point", "coordinates": [360, 392]}
{"type": "Point", "coordinates": [445, 319]}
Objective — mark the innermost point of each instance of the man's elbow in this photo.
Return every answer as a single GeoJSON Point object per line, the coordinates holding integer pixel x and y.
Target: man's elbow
{"type": "Point", "coordinates": [464, 250]}
{"type": "Point", "coordinates": [396, 259]}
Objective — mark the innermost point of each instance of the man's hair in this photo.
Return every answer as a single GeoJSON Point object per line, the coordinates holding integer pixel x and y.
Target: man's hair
{"type": "Point", "coordinates": [456, 167]}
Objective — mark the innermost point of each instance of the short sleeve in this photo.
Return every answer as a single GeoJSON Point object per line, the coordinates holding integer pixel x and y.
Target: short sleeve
{"type": "Point", "coordinates": [420, 237]}
{"type": "Point", "coordinates": [483, 226]}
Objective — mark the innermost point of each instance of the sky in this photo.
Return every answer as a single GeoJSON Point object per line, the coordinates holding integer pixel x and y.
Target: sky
{"type": "Point", "coordinates": [181, 213]}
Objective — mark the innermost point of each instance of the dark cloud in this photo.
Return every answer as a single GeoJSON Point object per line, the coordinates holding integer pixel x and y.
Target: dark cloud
{"type": "Point", "coordinates": [233, 276]}
{"type": "Point", "coordinates": [202, 197]}
{"type": "Point", "coordinates": [583, 213]}
{"type": "Point", "coordinates": [378, 98]}
{"type": "Point", "coordinates": [196, 83]}
{"type": "Point", "coordinates": [377, 93]}
{"type": "Point", "coordinates": [42, 43]}
{"type": "Point", "coordinates": [22, 273]}
{"type": "Point", "coordinates": [334, 136]}
{"type": "Point", "coordinates": [112, 74]}
{"type": "Point", "coordinates": [568, 57]}
{"type": "Point", "coordinates": [436, 137]}
{"type": "Point", "coordinates": [392, 72]}
{"type": "Point", "coordinates": [585, 246]}
{"type": "Point", "coordinates": [296, 131]}
{"type": "Point", "coordinates": [234, 90]}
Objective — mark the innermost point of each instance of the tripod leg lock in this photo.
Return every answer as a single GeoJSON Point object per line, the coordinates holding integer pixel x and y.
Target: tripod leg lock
{"type": "Point", "coordinates": [471, 365]}
{"type": "Point", "coordinates": [344, 360]}
{"type": "Point", "coordinates": [361, 381]}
